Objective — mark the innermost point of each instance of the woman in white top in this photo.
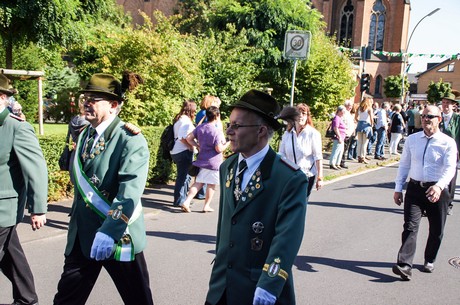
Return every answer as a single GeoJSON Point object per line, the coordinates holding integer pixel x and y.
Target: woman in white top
{"type": "Point", "coordinates": [182, 152]}
{"type": "Point", "coordinates": [365, 118]}
{"type": "Point", "coordinates": [302, 145]}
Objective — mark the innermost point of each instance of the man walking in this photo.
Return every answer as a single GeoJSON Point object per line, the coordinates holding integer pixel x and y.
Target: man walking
{"type": "Point", "coordinates": [262, 211]}
{"type": "Point", "coordinates": [24, 181]}
{"type": "Point", "coordinates": [381, 127]}
{"type": "Point", "coordinates": [349, 121]}
{"type": "Point", "coordinates": [106, 227]}
{"type": "Point", "coordinates": [429, 161]}
{"type": "Point", "coordinates": [450, 125]}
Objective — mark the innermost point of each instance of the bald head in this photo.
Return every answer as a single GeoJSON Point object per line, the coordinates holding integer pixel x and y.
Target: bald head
{"type": "Point", "coordinates": [431, 117]}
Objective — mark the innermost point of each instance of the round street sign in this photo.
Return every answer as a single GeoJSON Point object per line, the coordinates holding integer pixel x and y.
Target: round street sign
{"type": "Point", "coordinates": [297, 44]}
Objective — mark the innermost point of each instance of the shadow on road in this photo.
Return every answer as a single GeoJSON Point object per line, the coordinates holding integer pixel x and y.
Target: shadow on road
{"type": "Point", "coordinates": [305, 263]}
{"type": "Point", "coordinates": [206, 239]}
{"type": "Point", "coordinates": [358, 207]}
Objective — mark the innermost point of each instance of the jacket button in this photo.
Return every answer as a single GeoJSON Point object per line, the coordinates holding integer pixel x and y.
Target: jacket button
{"type": "Point", "coordinates": [231, 244]}
{"type": "Point", "coordinates": [229, 266]}
{"type": "Point", "coordinates": [233, 221]}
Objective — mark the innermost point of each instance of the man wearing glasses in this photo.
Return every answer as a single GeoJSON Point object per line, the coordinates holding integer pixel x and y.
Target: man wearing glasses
{"type": "Point", "coordinates": [106, 227]}
{"type": "Point", "coordinates": [261, 211]}
{"type": "Point", "coordinates": [429, 160]}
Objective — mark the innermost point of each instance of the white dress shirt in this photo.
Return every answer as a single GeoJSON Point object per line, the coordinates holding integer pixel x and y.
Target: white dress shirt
{"type": "Point", "coordinates": [437, 163]}
{"type": "Point", "coordinates": [253, 163]}
{"type": "Point", "coordinates": [308, 149]}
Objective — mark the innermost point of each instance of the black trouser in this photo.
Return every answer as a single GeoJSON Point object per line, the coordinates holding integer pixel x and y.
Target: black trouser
{"type": "Point", "coordinates": [14, 265]}
{"type": "Point", "coordinates": [415, 202]}
{"type": "Point", "coordinates": [346, 146]}
{"type": "Point", "coordinates": [80, 275]}
{"type": "Point", "coordinates": [452, 185]}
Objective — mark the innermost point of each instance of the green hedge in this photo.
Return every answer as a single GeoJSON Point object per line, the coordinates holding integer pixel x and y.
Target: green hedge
{"type": "Point", "coordinates": [161, 171]}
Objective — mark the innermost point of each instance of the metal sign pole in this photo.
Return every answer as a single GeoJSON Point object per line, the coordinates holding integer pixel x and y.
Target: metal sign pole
{"type": "Point", "coordinates": [293, 82]}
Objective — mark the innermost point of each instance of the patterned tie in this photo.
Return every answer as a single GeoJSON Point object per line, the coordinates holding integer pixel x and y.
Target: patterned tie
{"type": "Point", "coordinates": [89, 143]}
{"type": "Point", "coordinates": [242, 166]}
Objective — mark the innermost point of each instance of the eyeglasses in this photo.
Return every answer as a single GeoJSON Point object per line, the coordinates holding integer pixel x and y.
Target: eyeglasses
{"type": "Point", "coordinates": [236, 126]}
{"type": "Point", "coordinates": [92, 99]}
{"type": "Point", "coordinates": [429, 116]}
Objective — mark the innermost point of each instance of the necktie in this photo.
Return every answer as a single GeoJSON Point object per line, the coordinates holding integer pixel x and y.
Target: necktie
{"type": "Point", "coordinates": [89, 143]}
{"type": "Point", "coordinates": [242, 166]}
{"type": "Point", "coordinates": [424, 151]}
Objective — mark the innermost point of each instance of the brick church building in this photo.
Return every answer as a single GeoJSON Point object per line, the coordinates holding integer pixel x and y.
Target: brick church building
{"type": "Point", "coordinates": [380, 24]}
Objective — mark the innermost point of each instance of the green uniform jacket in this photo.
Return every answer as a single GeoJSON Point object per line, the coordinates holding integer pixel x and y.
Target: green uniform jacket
{"type": "Point", "coordinates": [453, 129]}
{"type": "Point", "coordinates": [274, 206]}
{"type": "Point", "coordinates": [23, 173]}
{"type": "Point", "coordinates": [120, 171]}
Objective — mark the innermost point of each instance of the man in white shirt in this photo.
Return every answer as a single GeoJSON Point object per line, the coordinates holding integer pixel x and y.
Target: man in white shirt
{"type": "Point", "coordinates": [429, 161]}
{"type": "Point", "coordinates": [381, 127]}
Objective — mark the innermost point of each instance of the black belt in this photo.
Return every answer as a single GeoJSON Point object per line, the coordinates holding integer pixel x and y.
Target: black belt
{"type": "Point", "coordinates": [421, 183]}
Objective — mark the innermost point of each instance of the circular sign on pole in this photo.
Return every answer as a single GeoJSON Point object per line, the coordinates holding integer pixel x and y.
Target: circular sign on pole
{"type": "Point", "coordinates": [297, 44]}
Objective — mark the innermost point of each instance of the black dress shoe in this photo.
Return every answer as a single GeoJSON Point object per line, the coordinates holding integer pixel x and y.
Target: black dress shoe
{"type": "Point", "coordinates": [405, 272]}
{"type": "Point", "coordinates": [333, 167]}
{"type": "Point", "coordinates": [343, 165]}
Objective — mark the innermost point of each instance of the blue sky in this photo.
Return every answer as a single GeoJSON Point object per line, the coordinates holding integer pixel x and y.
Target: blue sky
{"type": "Point", "coordinates": [437, 34]}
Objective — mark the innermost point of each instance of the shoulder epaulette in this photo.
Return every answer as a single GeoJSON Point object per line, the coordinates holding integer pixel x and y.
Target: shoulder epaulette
{"type": "Point", "coordinates": [132, 128]}
{"type": "Point", "coordinates": [290, 164]}
{"type": "Point", "coordinates": [17, 117]}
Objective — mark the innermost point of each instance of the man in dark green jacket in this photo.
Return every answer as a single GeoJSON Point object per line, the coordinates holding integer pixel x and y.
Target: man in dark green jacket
{"type": "Point", "coordinates": [450, 125]}
{"type": "Point", "coordinates": [106, 227]}
{"type": "Point", "coordinates": [23, 182]}
{"type": "Point", "coordinates": [261, 212]}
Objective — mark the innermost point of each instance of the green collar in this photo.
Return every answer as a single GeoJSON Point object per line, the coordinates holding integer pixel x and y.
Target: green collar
{"type": "Point", "coordinates": [4, 115]}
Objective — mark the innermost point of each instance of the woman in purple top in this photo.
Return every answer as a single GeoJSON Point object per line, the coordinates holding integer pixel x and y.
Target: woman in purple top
{"type": "Point", "coordinates": [211, 143]}
{"type": "Point", "coordinates": [339, 128]}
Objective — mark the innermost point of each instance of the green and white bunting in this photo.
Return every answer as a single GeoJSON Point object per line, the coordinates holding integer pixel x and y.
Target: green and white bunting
{"type": "Point", "coordinates": [400, 54]}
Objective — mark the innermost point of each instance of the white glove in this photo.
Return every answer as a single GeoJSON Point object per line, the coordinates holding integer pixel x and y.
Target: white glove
{"type": "Point", "coordinates": [103, 246]}
{"type": "Point", "coordinates": [263, 297]}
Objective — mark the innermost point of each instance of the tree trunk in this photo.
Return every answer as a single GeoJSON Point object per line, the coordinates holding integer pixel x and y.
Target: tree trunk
{"type": "Point", "coordinates": [9, 53]}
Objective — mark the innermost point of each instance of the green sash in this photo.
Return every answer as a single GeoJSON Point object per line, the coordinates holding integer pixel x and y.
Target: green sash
{"type": "Point", "coordinates": [99, 204]}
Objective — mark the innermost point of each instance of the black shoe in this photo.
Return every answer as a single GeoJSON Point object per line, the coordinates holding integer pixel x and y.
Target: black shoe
{"type": "Point", "coordinates": [343, 165]}
{"type": "Point", "coordinates": [18, 303]}
{"type": "Point", "coordinates": [404, 272]}
{"type": "Point", "coordinates": [333, 167]}
{"type": "Point", "coordinates": [449, 209]}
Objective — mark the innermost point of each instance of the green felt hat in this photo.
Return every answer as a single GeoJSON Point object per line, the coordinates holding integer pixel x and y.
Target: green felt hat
{"type": "Point", "coordinates": [5, 85]}
{"type": "Point", "coordinates": [263, 104]}
{"type": "Point", "coordinates": [104, 84]}
{"type": "Point", "coordinates": [450, 97]}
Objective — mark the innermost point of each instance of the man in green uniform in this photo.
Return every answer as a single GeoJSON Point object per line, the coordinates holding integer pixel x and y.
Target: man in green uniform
{"type": "Point", "coordinates": [450, 125]}
{"type": "Point", "coordinates": [262, 212]}
{"type": "Point", "coordinates": [23, 182]}
{"type": "Point", "coordinates": [106, 227]}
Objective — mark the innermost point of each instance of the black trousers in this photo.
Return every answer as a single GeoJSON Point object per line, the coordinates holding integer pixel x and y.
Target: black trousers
{"type": "Point", "coordinates": [415, 202]}
{"type": "Point", "coordinates": [14, 265]}
{"type": "Point", "coordinates": [452, 185]}
{"type": "Point", "coordinates": [80, 275]}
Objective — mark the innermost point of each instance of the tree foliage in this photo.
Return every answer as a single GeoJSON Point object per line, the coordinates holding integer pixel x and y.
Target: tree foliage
{"type": "Point", "coordinates": [392, 86]}
{"type": "Point", "coordinates": [50, 23]}
{"type": "Point", "coordinates": [436, 91]}
{"type": "Point", "coordinates": [323, 81]}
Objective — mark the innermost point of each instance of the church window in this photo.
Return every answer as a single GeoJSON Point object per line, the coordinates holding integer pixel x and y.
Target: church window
{"type": "Point", "coordinates": [377, 27]}
{"type": "Point", "coordinates": [346, 25]}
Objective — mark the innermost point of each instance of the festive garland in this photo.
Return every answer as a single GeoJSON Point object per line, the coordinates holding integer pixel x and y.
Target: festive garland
{"type": "Point", "coordinates": [400, 54]}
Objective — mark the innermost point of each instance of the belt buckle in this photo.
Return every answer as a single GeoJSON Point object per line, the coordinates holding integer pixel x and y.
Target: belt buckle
{"type": "Point", "coordinates": [422, 184]}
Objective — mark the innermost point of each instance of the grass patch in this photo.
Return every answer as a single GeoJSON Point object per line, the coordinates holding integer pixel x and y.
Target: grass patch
{"type": "Point", "coordinates": [59, 129]}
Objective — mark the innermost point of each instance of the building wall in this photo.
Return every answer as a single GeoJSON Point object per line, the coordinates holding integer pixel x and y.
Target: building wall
{"type": "Point", "coordinates": [434, 75]}
{"type": "Point", "coordinates": [395, 34]}
{"type": "Point", "coordinates": [147, 6]}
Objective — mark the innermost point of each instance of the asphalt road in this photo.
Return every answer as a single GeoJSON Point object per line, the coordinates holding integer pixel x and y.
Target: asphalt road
{"type": "Point", "coordinates": [353, 232]}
